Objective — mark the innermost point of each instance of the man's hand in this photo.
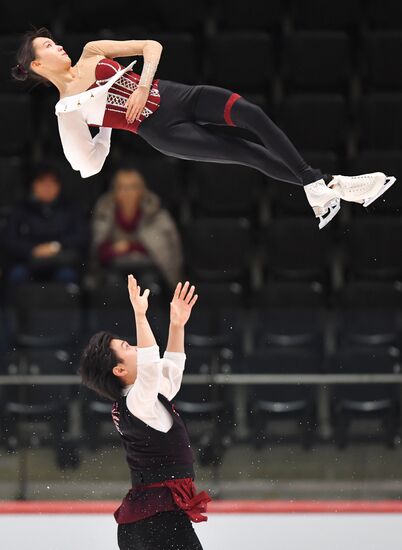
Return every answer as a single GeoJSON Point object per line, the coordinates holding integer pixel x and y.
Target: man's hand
{"type": "Point", "coordinates": [45, 250]}
{"type": "Point", "coordinates": [182, 304]}
{"type": "Point", "coordinates": [136, 103]}
{"type": "Point", "coordinates": [139, 303]}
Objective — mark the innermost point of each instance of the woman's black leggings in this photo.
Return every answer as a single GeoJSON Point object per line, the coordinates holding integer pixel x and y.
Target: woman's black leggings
{"type": "Point", "coordinates": [177, 128]}
{"type": "Point", "coordinates": [163, 531]}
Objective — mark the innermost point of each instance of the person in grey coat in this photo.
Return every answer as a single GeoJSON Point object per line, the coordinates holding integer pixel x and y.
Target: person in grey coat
{"type": "Point", "coordinates": [132, 231]}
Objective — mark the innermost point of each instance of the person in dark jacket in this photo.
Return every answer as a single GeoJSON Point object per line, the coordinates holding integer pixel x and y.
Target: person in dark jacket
{"type": "Point", "coordinates": [45, 237]}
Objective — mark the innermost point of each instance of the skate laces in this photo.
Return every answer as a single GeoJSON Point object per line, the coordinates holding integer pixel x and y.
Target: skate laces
{"type": "Point", "coordinates": [364, 179]}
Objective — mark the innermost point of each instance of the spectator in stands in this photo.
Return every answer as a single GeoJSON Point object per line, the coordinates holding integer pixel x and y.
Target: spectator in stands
{"type": "Point", "coordinates": [132, 232]}
{"type": "Point", "coordinates": [45, 237]}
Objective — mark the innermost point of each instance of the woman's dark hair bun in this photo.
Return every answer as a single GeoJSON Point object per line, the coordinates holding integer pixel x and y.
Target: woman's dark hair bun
{"type": "Point", "coordinates": [26, 54]}
{"type": "Point", "coordinates": [19, 72]}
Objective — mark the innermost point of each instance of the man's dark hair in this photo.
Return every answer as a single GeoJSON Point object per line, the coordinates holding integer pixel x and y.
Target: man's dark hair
{"type": "Point", "coordinates": [26, 54]}
{"type": "Point", "coordinates": [97, 362]}
{"type": "Point", "coordinates": [46, 168]}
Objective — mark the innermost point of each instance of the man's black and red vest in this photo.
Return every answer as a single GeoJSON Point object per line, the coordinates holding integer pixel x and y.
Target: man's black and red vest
{"type": "Point", "coordinates": [161, 467]}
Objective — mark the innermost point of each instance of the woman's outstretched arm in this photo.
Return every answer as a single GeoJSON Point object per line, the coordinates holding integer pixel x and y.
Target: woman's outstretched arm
{"type": "Point", "coordinates": [123, 48]}
{"type": "Point", "coordinates": [150, 49]}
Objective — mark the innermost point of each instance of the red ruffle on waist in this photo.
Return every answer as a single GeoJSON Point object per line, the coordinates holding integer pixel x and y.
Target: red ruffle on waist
{"type": "Point", "coordinates": [143, 501]}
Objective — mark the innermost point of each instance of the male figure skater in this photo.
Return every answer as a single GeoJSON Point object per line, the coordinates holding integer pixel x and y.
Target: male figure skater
{"type": "Point", "coordinates": [157, 511]}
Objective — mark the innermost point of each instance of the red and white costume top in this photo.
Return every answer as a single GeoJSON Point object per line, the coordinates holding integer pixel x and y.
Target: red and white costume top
{"type": "Point", "coordinates": [119, 93]}
{"type": "Point", "coordinates": [103, 105]}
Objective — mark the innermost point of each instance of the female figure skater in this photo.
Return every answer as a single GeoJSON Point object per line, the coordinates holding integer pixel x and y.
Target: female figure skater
{"type": "Point", "coordinates": [171, 117]}
{"type": "Point", "coordinates": [157, 511]}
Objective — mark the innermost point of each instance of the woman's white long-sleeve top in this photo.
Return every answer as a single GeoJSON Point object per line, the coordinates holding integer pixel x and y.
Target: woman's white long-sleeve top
{"type": "Point", "coordinates": [74, 113]}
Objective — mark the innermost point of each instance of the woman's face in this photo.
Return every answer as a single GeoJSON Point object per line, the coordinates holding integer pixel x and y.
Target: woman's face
{"type": "Point", "coordinates": [128, 188]}
{"type": "Point", "coordinates": [49, 56]}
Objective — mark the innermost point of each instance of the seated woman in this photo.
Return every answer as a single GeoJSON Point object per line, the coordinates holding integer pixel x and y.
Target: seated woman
{"type": "Point", "coordinates": [132, 232]}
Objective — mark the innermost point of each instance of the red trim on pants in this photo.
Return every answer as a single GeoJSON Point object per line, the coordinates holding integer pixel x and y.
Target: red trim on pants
{"type": "Point", "coordinates": [228, 106]}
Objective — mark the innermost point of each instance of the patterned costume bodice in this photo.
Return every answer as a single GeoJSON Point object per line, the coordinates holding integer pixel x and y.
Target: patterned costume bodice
{"type": "Point", "coordinates": [118, 94]}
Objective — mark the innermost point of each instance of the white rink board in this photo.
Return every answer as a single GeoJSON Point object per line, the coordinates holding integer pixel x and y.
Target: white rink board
{"type": "Point", "coordinates": [222, 531]}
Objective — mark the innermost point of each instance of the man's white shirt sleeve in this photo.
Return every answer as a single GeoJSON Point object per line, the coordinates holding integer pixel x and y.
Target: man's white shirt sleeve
{"type": "Point", "coordinates": [155, 375]}
{"type": "Point", "coordinates": [172, 370]}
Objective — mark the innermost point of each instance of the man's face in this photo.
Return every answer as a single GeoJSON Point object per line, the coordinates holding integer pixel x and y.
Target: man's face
{"type": "Point", "coordinates": [46, 188]}
{"type": "Point", "coordinates": [127, 367]}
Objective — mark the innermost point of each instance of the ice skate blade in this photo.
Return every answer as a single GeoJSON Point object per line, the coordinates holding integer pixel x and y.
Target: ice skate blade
{"type": "Point", "coordinates": [389, 180]}
{"type": "Point", "coordinates": [333, 209]}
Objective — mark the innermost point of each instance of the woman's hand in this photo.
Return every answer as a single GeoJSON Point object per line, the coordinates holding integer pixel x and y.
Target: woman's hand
{"type": "Point", "coordinates": [139, 303]}
{"type": "Point", "coordinates": [121, 247]}
{"type": "Point", "coordinates": [136, 103]}
{"type": "Point", "coordinates": [182, 304]}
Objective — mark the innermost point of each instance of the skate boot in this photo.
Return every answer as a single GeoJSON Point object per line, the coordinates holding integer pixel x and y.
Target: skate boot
{"type": "Point", "coordinates": [325, 201]}
{"type": "Point", "coordinates": [363, 189]}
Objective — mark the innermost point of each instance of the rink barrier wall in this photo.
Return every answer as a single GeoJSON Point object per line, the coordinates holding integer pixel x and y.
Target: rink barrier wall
{"type": "Point", "coordinates": [215, 507]}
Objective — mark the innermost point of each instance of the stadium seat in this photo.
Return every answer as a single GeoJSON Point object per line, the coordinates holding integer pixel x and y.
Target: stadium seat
{"type": "Point", "coordinates": [255, 16]}
{"type": "Point", "coordinates": [204, 408]}
{"type": "Point", "coordinates": [350, 402]}
{"type": "Point", "coordinates": [47, 315]}
{"type": "Point", "coordinates": [22, 17]}
{"type": "Point", "coordinates": [315, 122]}
{"type": "Point", "coordinates": [372, 246]}
{"type": "Point", "coordinates": [96, 414]}
{"type": "Point", "coordinates": [11, 182]}
{"type": "Point", "coordinates": [380, 121]}
{"type": "Point", "coordinates": [241, 61]}
{"type": "Point", "coordinates": [225, 190]}
{"type": "Point", "coordinates": [218, 249]}
{"type": "Point", "coordinates": [216, 326]}
{"type": "Point", "coordinates": [220, 294]}
{"type": "Point", "coordinates": [268, 403]}
{"type": "Point", "coordinates": [176, 46]}
{"type": "Point", "coordinates": [312, 14]}
{"type": "Point", "coordinates": [109, 309]}
{"type": "Point", "coordinates": [103, 18]}
{"type": "Point", "coordinates": [295, 249]}
{"type": "Point", "coordinates": [180, 16]}
{"type": "Point", "coordinates": [9, 45]}
{"type": "Point", "coordinates": [368, 313]}
{"type": "Point", "coordinates": [378, 66]}
{"type": "Point", "coordinates": [288, 314]}
{"type": "Point", "coordinates": [15, 114]}
{"type": "Point", "coordinates": [384, 14]}
{"type": "Point", "coordinates": [37, 402]}
{"type": "Point", "coordinates": [317, 61]}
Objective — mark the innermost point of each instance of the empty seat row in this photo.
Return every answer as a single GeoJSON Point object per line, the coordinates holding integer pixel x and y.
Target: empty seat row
{"type": "Point", "coordinates": [266, 402]}
{"type": "Point", "coordinates": [319, 61]}
{"type": "Point", "coordinates": [217, 249]}
{"type": "Point", "coordinates": [283, 314]}
{"type": "Point", "coordinates": [222, 14]}
{"type": "Point", "coordinates": [194, 190]}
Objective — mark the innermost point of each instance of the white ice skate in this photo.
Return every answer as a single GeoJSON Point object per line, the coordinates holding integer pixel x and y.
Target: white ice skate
{"type": "Point", "coordinates": [325, 201]}
{"type": "Point", "coordinates": [363, 189]}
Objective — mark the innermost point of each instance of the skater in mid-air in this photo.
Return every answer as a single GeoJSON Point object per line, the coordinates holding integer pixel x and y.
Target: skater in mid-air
{"type": "Point", "coordinates": [157, 512]}
{"type": "Point", "coordinates": [171, 117]}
